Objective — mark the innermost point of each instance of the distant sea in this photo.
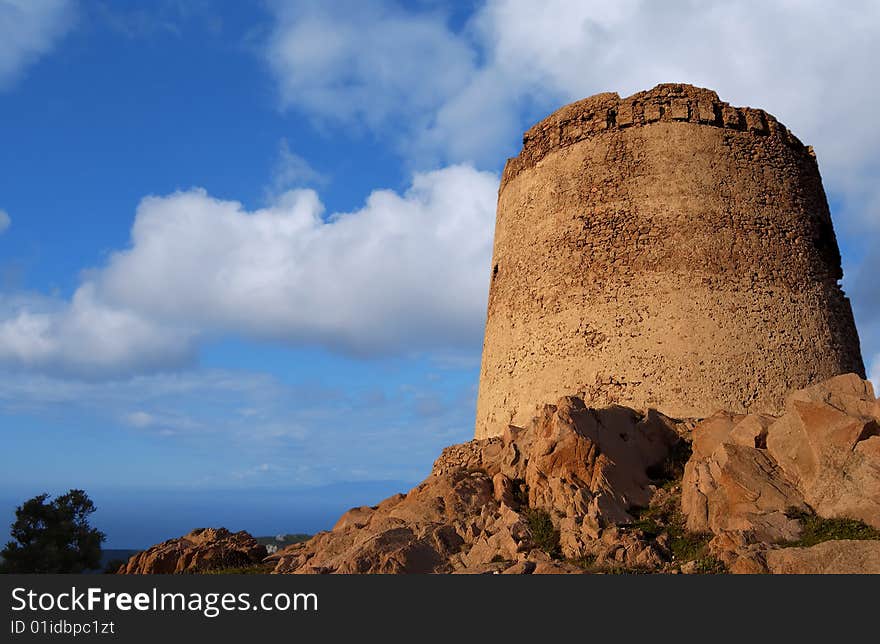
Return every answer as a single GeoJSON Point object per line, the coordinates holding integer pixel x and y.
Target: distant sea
{"type": "Point", "coordinates": [114, 554]}
{"type": "Point", "coordinates": [136, 519]}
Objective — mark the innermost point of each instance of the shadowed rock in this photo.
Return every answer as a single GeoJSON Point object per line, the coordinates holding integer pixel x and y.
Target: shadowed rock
{"type": "Point", "coordinates": [201, 550]}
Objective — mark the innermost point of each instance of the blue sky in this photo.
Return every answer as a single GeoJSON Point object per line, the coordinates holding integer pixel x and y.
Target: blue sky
{"type": "Point", "coordinates": [244, 247]}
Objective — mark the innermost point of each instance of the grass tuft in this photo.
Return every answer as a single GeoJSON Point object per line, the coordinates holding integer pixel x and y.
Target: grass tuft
{"type": "Point", "coordinates": [256, 569]}
{"type": "Point", "coordinates": [817, 530]}
{"type": "Point", "coordinates": [664, 517]}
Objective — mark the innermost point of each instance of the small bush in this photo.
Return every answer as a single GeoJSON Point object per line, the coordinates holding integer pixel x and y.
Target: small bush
{"type": "Point", "coordinates": [625, 570]}
{"type": "Point", "coordinates": [687, 546]}
{"type": "Point", "coordinates": [544, 533]}
{"type": "Point", "coordinates": [664, 517]}
{"type": "Point", "coordinates": [648, 526]}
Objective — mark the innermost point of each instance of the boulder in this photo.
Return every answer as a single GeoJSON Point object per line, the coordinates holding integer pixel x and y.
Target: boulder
{"type": "Point", "coordinates": [579, 462]}
{"type": "Point", "coordinates": [843, 557]}
{"type": "Point", "coordinates": [748, 473]}
{"type": "Point", "coordinates": [740, 488]}
{"type": "Point", "coordinates": [731, 486]}
{"type": "Point", "coordinates": [828, 443]}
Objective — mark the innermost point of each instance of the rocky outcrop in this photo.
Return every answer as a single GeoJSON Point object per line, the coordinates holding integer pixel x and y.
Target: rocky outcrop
{"type": "Point", "coordinates": [752, 478]}
{"type": "Point", "coordinates": [842, 557]}
{"type": "Point", "coordinates": [202, 550]}
{"type": "Point", "coordinates": [828, 443]}
{"type": "Point", "coordinates": [554, 490]}
{"type": "Point", "coordinates": [731, 485]}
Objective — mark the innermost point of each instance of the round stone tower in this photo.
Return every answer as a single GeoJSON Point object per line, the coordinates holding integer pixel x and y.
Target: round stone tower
{"type": "Point", "coordinates": [662, 251]}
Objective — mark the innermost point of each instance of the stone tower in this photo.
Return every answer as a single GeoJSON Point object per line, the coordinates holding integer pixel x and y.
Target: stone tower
{"type": "Point", "coordinates": [664, 250]}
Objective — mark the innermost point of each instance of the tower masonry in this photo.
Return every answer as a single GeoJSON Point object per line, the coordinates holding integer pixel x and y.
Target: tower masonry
{"type": "Point", "coordinates": [666, 251]}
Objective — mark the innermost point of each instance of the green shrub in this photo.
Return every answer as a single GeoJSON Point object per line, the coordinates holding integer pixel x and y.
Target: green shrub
{"type": "Point", "coordinates": [587, 562]}
{"type": "Point", "coordinates": [544, 533]}
{"type": "Point", "coordinates": [625, 570]}
{"type": "Point", "coordinates": [687, 546]}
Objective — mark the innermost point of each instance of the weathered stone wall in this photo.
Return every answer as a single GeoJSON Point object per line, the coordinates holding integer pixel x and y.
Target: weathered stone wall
{"type": "Point", "coordinates": [665, 250]}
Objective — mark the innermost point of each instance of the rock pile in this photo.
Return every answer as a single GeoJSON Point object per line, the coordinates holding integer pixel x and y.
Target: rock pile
{"type": "Point", "coordinates": [537, 499]}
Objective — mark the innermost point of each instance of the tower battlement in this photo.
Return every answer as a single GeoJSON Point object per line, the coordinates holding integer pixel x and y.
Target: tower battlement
{"type": "Point", "coordinates": [668, 102]}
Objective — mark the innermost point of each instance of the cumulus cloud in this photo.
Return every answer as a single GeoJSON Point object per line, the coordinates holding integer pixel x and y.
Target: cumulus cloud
{"type": "Point", "coordinates": [405, 272]}
{"type": "Point", "coordinates": [28, 30]}
{"type": "Point", "coordinates": [5, 221]}
{"type": "Point", "coordinates": [466, 92]}
{"type": "Point", "coordinates": [370, 62]}
{"type": "Point", "coordinates": [87, 336]}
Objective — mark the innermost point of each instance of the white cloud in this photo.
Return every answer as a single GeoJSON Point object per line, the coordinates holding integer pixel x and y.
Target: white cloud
{"type": "Point", "coordinates": [140, 419]}
{"type": "Point", "coordinates": [87, 336]}
{"type": "Point", "coordinates": [365, 62]}
{"type": "Point", "coordinates": [162, 423]}
{"type": "Point", "coordinates": [5, 221]}
{"type": "Point", "coordinates": [291, 171]}
{"type": "Point", "coordinates": [405, 272]}
{"type": "Point", "coordinates": [296, 430]}
{"type": "Point", "coordinates": [195, 403]}
{"type": "Point", "coordinates": [216, 388]}
{"type": "Point", "coordinates": [398, 273]}
{"type": "Point", "coordinates": [29, 30]}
